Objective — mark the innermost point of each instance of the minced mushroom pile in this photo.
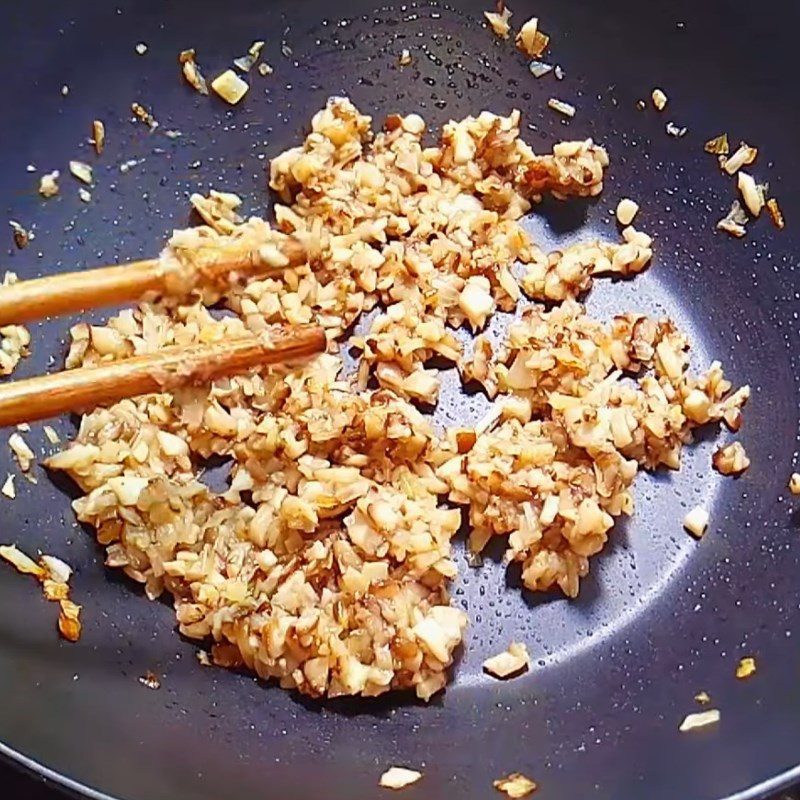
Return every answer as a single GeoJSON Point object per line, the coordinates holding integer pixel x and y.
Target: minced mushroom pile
{"type": "Point", "coordinates": [326, 562]}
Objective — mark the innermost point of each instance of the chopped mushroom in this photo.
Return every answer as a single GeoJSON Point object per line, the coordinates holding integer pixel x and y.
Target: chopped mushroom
{"type": "Point", "coordinates": [731, 460]}
{"type": "Point", "coordinates": [399, 777]}
{"type": "Point", "coordinates": [734, 221]}
{"type": "Point", "coordinates": [566, 109]}
{"type": "Point", "coordinates": [752, 193]}
{"type": "Point", "coordinates": [530, 40]}
{"type": "Point", "coordinates": [699, 720]}
{"type": "Point", "coordinates": [745, 668]}
{"type": "Point", "coordinates": [82, 171]}
{"type": "Point", "coordinates": [230, 87]}
{"type": "Point", "coordinates": [191, 71]}
{"type": "Point", "coordinates": [510, 662]}
{"type": "Point", "coordinates": [794, 483]}
{"type": "Point", "coordinates": [626, 211]}
{"type": "Point", "coordinates": [515, 785]}
{"type": "Point", "coordinates": [743, 156]}
{"type": "Point", "coordinates": [696, 521]}
{"type": "Point", "coordinates": [499, 22]}
{"type": "Point", "coordinates": [48, 184]}
{"type": "Point", "coordinates": [659, 99]}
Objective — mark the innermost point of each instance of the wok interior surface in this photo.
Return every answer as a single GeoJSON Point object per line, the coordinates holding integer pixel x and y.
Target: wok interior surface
{"type": "Point", "coordinates": [660, 617]}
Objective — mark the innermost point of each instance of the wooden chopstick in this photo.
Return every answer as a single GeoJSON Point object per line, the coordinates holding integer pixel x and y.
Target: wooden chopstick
{"type": "Point", "coordinates": [69, 292]}
{"type": "Point", "coordinates": [162, 371]}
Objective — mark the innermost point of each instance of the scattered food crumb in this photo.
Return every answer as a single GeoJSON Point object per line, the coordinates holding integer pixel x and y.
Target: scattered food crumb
{"type": "Point", "coordinates": [230, 87]}
{"type": "Point", "coordinates": [24, 455]}
{"type": "Point", "coordinates": [731, 460]}
{"type": "Point", "coordinates": [85, 195]}
{"type": "Point", "coordinates": [794, 483]}
{"type": "Point", "coordinates": [30, 168]}
{"type": "Point", "coordinates": [510, 662]}
{"type": "Point", "coordinates": [745, 668]}
{"type": "Point", "coordinates": [8, 487]}
{"type": "Point", "coordinates": [398, 777]}
{"type": "Point", "coordinates": [515, 785]}
{"type": "Point", "coordinates": [744, 155]}
{"type": "Point", "coordinates": [143, 115]}
{"type": "Point", "coordinates": [265, 69]}
{"type": "Point", "coordinates": [48, 184]}
{"type": "Point", "coordinates": [566, 109]}
{"type": "Point", "coordinates": [775, 213]}
{"type": "Point", "coordinates": [286, 51]}
{"type": "Point", "coordinates": [752, 194]}
{"type": "Point", "coordinates": [98, 136]}
{"type": "Point", "coordinates": [626, 211]}
{"type": "Point", "coordinates": [82, 171]}
{"type": "Point", "coordinates": [734, 221]}
{"type": "Point", "coordinates": [530, 40]}
{"type": "Point", "coordinates": [641, 105]}
{"type": "Point", "coordinates": [659, 99]}
{"type": "Point", "coordinates": [703, 698]}
{"type": "Point", "coordinates": [499, 22]}
{"type": "Point", "coordinates": [128, 165]}
{"type": "Point", "coordinates": [150, 680]}
{"type": "Point", "coordinates": [676, 130]}
{"type": "Point", "coordinates": [405, 58]}
{"type": "Point", "coordinates": [64, 90]}
{"type": "Point", "coordinates": [21, 236]}
{"type": "Point", "coordinates": [141, 48]}
{"type": "Point", "coordinates": [559, 72]}
{"type": "Point", "coordinates": [69, 624]}
{"type": "Point", "coordinates": [51, 435]}
{"type": "Point", "coordinates": [696, 521]}
{"type": "Point", "coordinates": [699, 720]}
{"type": "Point", "coordinates": [718, 145]}
{"type": "Point", "coordinates": [539, 69]}
{"type": "Point", "coordinates": [191, 71]}
{"type": "Point", "coordinates": [204, 658]}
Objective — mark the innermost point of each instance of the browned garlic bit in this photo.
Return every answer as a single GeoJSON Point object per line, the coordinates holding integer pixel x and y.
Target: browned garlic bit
{"type": "Point", "coordinates": [775, 213]}
{"type": "Point", "coordinates": [718, 145]}
{"type": "Point", "coordinates": [746, 667]}
{"type": "Point", "coordinates": [515, 785]}
{"type": "Point", "coordinates": [530, 40]}
{"type": "Point", "coordinates": [499, 21]}
{"type": "Point", "coordinates": [731, 460]}
{"type": "Point", "coordinates": [399, 777]}
{"type": "Point", "coordinates": [326, 563]}
{"type": "Point", "coordinates": [510, 662]}
{"type": "Point", "coordinates": [405, 58]}
{"type": "Point", "coordinates": [191, 71]}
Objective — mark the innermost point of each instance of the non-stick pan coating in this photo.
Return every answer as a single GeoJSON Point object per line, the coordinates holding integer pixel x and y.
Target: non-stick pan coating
{"type": "Point", "coordinates": [661, 616]}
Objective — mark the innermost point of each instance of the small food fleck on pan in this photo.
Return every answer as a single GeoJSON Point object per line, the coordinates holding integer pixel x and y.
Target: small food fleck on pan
{"type": "Point", "coordinates": [51, 435]}
{"type": "Point", "coordinates": [731, 460]}
{"type": "Point", "coordinates": [775, 213]}
{"type": "Point", "coordinates": [69, 623]}
{"type": "Point", "coordinates": [82, 171]}
{"type": "Point", "coordinates": [230, 87]}
{"type": "Point", "coordinates": [515, 785]}
{"type": "Point", "coordinates": [22, 452]}
{"type": "Point", "coordinates": [246, 63]}
{"type": "Point", "coordinates": [752, 193]}
{"type": "Point", "coordinates": [22, 236]}
{"type": "Point", "coordinates": [659, 99]}
{"type": "Point", "coordinates": [567, 109]}
{"type": "Point", "coordinates": [64, 90]}
{"type": "Point", "coordinates": [150, 680]}
{"type": "Point", "coordinates": [191, 71]}
{"type": "Point", "coordinates": [405, 58]}
{"type": "Point", "coordinates": [510, 662]}
{"type": "Point", "coordinates": [794, 483]}
{"type": "Point", "coordinates": [141, 48]}
{"type": "Point", "coordinates": [627, 209]}
{"type": "Point", "coordinates": [696, 521]}
{"type": "Point", "coordinates": [48, 184]}
{"type": "Point", "coordinates": [718, 145]}
{"type": "Point", "coordinates": [746, 667]}
{"type": "Point", "coordinates": [699, 719]}
{"type": "Point", "coordinates": [85, 195]}
{"type": "Point", "coordinates": [703, 698]}
{"type": "Point", "coordinates": [399, 777]}
{"type": "Point", "coordinates": [539, 69]}
{"type": "Point", "coordinates": [744, 155]}
{"type": "Point", "coordinates": [264, 69]}
{"type": "Point", "coordinates": [530, 40]}
{"type": "Point", "coordinates": [678, 131]}
{"type": "Point", "coordinates": [204, 658]}
{"type": "Point", "coordinates": [734, 221]}
{"type": "Point", "coordinates": [499, 22]}
{"type": "Point", "coordinates": [143, 115]}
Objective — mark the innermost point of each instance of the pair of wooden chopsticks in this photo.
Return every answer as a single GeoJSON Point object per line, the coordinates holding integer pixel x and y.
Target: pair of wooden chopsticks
{"type": "Point", "coordinates": [87, 387]}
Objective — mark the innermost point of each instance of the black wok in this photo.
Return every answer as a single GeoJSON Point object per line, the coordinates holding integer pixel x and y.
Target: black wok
{"type": "Point", "coordinates": [661, 616]}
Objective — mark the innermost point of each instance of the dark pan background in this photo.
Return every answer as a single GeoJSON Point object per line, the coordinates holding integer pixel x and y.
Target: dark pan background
{"type": "Point", "coordinates": [660, 618]}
